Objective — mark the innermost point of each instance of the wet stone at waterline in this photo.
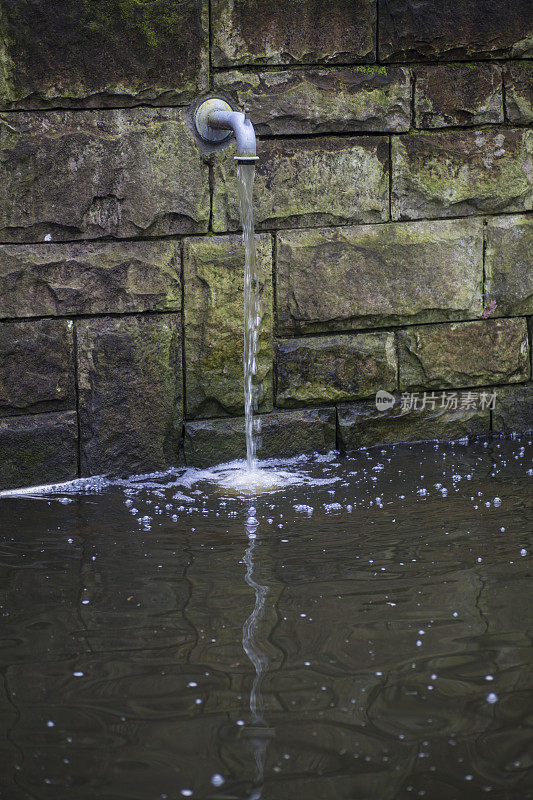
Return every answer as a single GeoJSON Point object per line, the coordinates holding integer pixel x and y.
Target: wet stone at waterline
{"type": "Point", "coordinates": [360, 629]}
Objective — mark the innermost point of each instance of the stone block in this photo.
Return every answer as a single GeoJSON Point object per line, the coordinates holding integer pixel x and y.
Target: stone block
{"type": "Point", "coordinates": [130, 393]}
{"type": "Point", "coordinates": [457, 173]}
{"type": "Point", "coordinates": [38, 449]}
{"type": "Point", "coordinates": [458, 94]}
{"type": "Point", "coordinates": [329, 369]}
{"type": "Point", "coordinates": [308, 182]}
{"type": "Point", "coordinates": [350, 99]}
{"type": "Point", "coordinates": [68, 175]}
{"type": "Point", "coordinates": [518, 79]}
{"type": "Point", "coordinates": [509, 265]}
{"type": "Point", "coordinates": [445, 30]}
{"type": "Point", "coordinates": [284, 434]}
{"type": "Point", "coordinates": [89, 278]}
{"type": "Point", "coordinates": [90, 53]}
{"type": "Point", "coordinates": [213, 270]}
{"type": "Point", "coordinates": [302, 31]}
{"type": "Point", "coordinates": [36, 366]}
{"type": "Point", "coordinates": [362, 425]}
{"type": "Point", "coordinates": [462, 354]}
{"type": "Point", "coordinates": [378, 275]}
{"type": "Point", "coordinates": [513, 411]}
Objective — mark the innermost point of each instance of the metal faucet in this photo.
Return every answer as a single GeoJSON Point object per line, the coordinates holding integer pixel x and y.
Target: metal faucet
{"type": "Point", "coordinates": [215, 121]}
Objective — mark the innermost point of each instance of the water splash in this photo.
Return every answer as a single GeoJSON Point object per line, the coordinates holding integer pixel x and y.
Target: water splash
{"type": "Point", "coordinates": [252, 312]}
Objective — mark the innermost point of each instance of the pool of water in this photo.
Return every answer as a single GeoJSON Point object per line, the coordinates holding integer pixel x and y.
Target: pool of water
{"type": "Point", "coordinates": [352, 628]}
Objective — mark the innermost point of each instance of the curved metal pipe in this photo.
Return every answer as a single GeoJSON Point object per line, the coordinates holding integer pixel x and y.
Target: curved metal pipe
{"type": "Point", "coordinates": [239, 123]}
{"type": "Point", "coordinates": [217, 115]}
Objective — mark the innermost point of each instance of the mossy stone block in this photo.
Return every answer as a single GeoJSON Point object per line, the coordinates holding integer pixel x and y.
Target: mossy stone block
{"type": "Point", "coordinates": [338, 279]}
{"type": "Point", "coordinates": [38, 449]}
{"type": "Point", "coordinates": [458, 94]}
{"type": "Point", "coordinates": [36, 366]}
{"type": "Point", "coordinates": [330, 369]}
{"type": "Point", "coordinates": [300, 31]}
{"type": "Point", "coordinates": [462, 354]}
{"type": "Point", "coordinates": [214, 325]}
{"type": "Point", "coordinates": [513, 410]}
{"type": "Point", "coordinates": [284, 434]}
{"type": "Point", "coordinates": [89, 278]}
{"type": "Point", "coordinates": [130, 393]}
{"type": "Point", "coordinates": [349, 99]}
{"type": "Point", "coordinates": [509, 265]}
{"type": "Point", "coordinates": [362, 425]}
{"type": "Point", "coordinates": [518, 79]}
{"type": "Point", "coordinates": [458, 173]}
{"type": "Point", "coordinates": [308, 182]}
{"type": "Point", "coordinates": [68, 175]}
{"type": "Point", "coordinates": [445, 30]}
{"type": "Point", "coordinates": [102, 52]}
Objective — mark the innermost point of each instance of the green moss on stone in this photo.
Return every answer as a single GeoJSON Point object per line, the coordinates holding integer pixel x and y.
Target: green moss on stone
{"type": "Point", "coordinates": [153, 20]}
{"type": "Point", "coordinates": [371, 69]}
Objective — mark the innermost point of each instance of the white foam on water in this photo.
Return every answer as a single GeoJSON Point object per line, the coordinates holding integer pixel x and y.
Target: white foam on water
{"type": "Point", "coordinates": [272, 475]}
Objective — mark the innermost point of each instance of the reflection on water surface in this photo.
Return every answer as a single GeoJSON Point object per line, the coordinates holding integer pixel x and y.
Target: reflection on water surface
{"type": "Point", "coordinates": [363, 631]}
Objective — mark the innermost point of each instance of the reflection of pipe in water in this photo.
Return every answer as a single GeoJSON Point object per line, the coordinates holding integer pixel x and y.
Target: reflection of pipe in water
{"type": "Point", "coordinates": [258, 733]}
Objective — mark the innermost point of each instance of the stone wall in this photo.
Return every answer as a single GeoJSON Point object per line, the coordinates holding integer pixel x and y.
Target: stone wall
{"type": "Point", "coordinates": [394, 240]}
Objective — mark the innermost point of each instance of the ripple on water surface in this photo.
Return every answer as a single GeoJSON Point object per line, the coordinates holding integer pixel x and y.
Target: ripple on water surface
{"type": "Point", "coordinates": [334, 628]}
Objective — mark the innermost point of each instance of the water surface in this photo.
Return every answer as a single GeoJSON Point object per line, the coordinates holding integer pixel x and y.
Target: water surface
{"type": "Point", "coordinates": [363, 630]}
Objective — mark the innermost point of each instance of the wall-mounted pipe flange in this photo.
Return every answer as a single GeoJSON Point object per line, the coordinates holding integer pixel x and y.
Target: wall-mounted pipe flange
{"type": "Point", "coordinates": [204, 131]}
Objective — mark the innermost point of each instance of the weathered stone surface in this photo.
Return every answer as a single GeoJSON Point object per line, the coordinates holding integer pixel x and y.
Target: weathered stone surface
{"type": "Point", "coordinates": [89, 278]}
{"type": "Point", "coordinates": [456, 173]}
{"type": "Point", "coordinates": [214, 325]}
{"type": "Point", "coordinates": [513, 411]}
{"type": "Point", "coordinates": [463, 354]}
{"type": "Point", "coordinates": [509, 264]}
{"type": "Point", "coordinates": [37, 449]}
{"type": "Point", "coordinates": [518, 79]}
{"type": "Point", "coordinates": [36, 366]}
{"type": "Point", "coordinates": [458, 94]}
{"type": "Point", "coordinates": [442, 30]}
{"type": "Point", "coordinates": [130, 393]}
{"type": "Point", "coordinates": [363, 98]}
{"type": "Point", "coordinates": [362, 425]}
{"type": "Point", "coordinates": [283, 433]}
{"type": "Point", "coordinates": [372, 276]}
{"type": "Point", "coordinates": [87, 174]}
{"type": "Point", "coordinates": [308, 182]}
{"type": "Point", "coordinates": [304, 31]}
{"type": "Point", "coordinates": [530, 327]}
{"type": "Point", "coordinates": [72, 52]}
{"type": "Point", "coordinates": [326, 369]}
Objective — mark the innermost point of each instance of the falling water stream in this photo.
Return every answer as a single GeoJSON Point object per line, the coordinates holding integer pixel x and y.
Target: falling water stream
{"type": "Point", "coordinates": [252, 311]}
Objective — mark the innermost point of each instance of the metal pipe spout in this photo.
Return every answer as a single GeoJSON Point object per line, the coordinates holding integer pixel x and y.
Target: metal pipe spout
{"type": "Point", "coordinates": [216, 121]}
